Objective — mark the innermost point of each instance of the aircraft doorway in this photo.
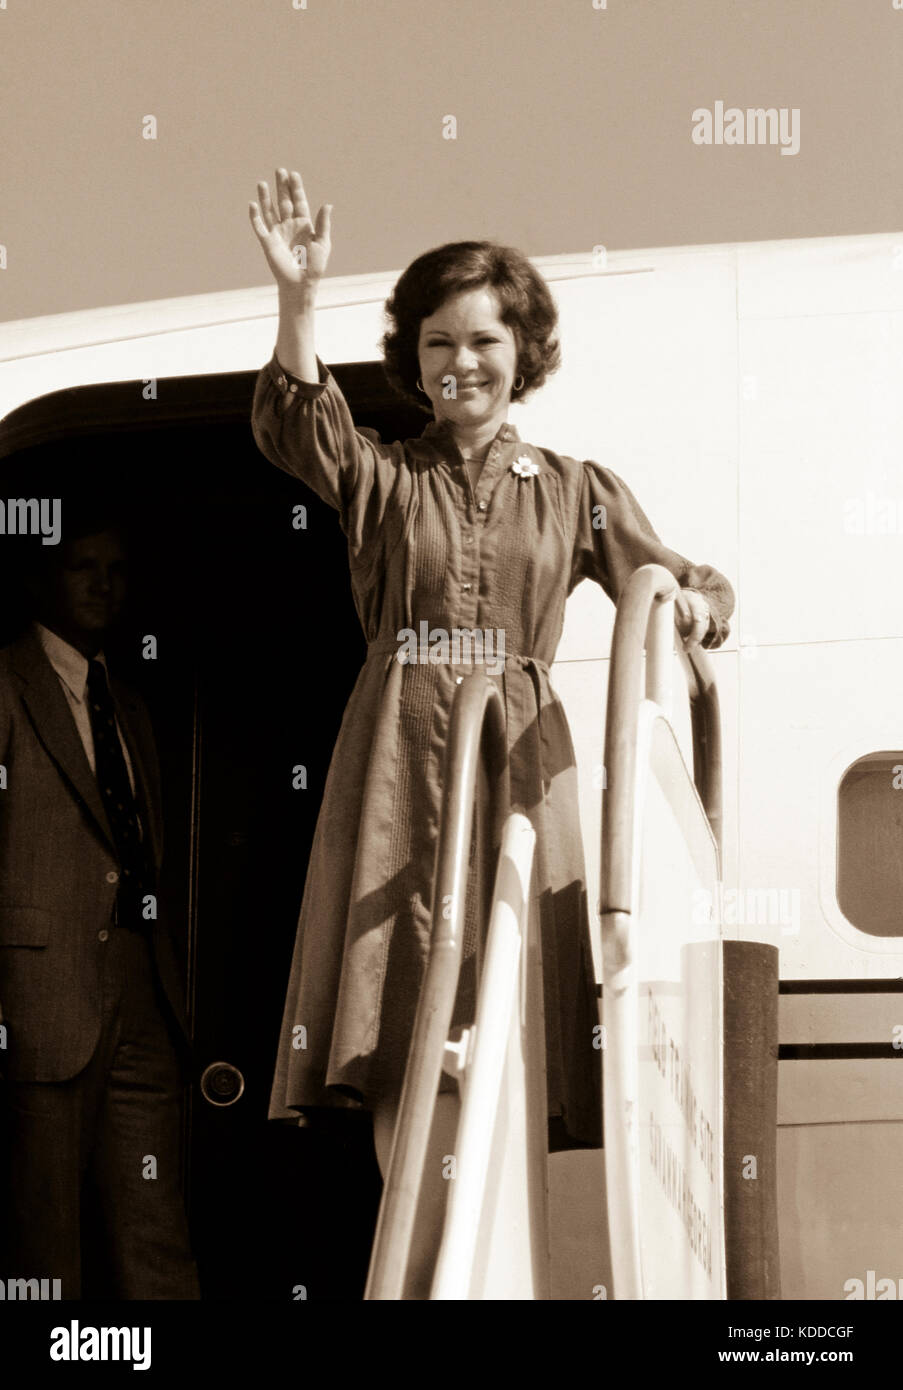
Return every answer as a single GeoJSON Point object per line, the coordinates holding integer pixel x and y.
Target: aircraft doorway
{"type": "Point", "coordinates": [257, 646]}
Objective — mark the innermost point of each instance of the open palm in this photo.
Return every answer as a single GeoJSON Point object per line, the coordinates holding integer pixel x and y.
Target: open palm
{"type": "Point", "coordinates": [296, 249]}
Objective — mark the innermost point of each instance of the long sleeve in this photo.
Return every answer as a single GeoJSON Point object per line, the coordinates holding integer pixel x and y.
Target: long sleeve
{"type": "Point", "coordinates": [614, 538]}
{"type": "Point", "coordinates": [306, 429]}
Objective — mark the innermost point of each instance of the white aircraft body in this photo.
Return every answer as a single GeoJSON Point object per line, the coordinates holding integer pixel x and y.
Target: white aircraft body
{"type": "Point", "coordinates": [750, 395]}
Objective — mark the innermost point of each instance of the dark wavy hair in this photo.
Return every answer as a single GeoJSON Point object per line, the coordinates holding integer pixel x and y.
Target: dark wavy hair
{"type": "Point", "coordinates": [526, 306]}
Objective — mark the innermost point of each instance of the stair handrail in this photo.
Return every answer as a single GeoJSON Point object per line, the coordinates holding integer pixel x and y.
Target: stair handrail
{"type": "Point", "coordinates": [705, 720]}
{"type": "Point", "coordinates": [510, 990]}
{"type": "Point", "coordinates": [476, 722]}
{"type": "Point", "coordinates": [645, 618]}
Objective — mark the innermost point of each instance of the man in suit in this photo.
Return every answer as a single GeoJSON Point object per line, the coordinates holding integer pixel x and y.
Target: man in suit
{"type": "Point", "coordinates": [95, 1054]}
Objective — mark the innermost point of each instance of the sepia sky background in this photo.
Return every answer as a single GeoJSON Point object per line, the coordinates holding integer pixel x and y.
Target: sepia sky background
{"type": "Point", "coordinates": [574, 129]}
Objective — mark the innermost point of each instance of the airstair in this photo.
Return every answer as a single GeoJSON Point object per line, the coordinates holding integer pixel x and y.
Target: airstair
{"type": "Point", "coordinates": [687, 1030]}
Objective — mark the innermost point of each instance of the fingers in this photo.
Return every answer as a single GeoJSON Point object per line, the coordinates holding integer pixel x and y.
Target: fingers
{"type": "Point", "coordinates": [298, 196]}
{"type": "Point", "coordinates": [288, 201]}
{"type": "Point", "coordinates": [693, 614]}
{"type": "Point", "coordinates": [288, 204]}
{"type": "Point", "coordinates": [284, 202]}
{"type": "Point", "coordinates": [266, 207]}
{"type": "Point", "coordinates": [324, 225]}
{"type": "Point", "coordinates": [257, 222]}
{"type": "Point", "coordinates": [291, 199]}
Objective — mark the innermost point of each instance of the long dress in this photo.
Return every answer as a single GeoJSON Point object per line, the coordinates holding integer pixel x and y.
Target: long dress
{"type": "Point", "coordinates": [425, 547]}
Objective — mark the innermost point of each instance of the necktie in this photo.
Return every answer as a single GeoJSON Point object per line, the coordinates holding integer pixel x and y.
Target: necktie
{"type": "Point", "coordinates": [118, 801]}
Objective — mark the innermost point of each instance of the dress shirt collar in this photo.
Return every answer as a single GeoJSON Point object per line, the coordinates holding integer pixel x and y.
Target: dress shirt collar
{"type": "Point", "coordinates": [67, 661]}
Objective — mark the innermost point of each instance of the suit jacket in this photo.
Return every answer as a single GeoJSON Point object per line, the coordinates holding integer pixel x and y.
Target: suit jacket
{"type": "Point", "coordinates": [59, 869]}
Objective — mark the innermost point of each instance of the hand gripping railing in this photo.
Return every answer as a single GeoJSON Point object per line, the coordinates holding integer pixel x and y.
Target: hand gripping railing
{"type": "Point", "coordinates": [477, 718]}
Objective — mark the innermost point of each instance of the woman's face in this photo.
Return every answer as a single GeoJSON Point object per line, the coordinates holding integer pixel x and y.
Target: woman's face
{"type": "Point", "coordinates": [468, 359]}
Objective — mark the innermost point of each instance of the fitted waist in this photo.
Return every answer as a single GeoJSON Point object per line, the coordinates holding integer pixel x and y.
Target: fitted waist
{"type": "Point", "coordinates": [452, 652]}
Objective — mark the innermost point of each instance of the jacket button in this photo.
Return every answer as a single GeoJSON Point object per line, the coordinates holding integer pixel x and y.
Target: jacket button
{"type": "Point", "coordinates": [481, 506]}
{"type": "Point", "coordinates": [103, 935]}
{"type": "Point", "coordinates": [112, 876]}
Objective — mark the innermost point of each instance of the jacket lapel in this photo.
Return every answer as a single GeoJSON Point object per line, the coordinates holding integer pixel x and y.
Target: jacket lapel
{"type": "Point", "coordinates": [55, 728]}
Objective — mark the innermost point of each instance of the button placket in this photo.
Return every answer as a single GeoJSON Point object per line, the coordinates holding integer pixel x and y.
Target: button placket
{"type": "Point", "coordinates": [467, 597]}
{"type": "Point", "coordinates": [476, 514]}
{"type": "Point", "coordinates": [495, 467]}
{"type": "Point", "coordinates": [481, 495]}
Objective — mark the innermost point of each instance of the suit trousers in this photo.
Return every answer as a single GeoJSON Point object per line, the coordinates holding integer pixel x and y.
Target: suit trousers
{"type": "Point", "coordinates": [111, 1131]}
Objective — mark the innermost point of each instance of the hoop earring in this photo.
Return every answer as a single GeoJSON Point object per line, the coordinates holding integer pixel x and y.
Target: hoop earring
{"type": "Point", "coordinates": [420, 386]}
{"type": "Point", "coordinates": [518, 379]}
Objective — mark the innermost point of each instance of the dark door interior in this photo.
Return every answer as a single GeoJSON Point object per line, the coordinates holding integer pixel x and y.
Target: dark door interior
{"type": "Point", "coordinates": [258, 646]}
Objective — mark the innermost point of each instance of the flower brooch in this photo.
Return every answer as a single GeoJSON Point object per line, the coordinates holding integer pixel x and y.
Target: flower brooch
{"type": "Point", "coordinates": [524, 467]}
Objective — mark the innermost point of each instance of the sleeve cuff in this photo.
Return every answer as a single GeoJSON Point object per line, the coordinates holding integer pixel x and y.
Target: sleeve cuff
{"type": "Point", "coordinates": [292, 385]}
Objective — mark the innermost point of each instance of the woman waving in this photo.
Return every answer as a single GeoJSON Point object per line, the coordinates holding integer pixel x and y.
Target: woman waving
{"type": "Point", "coordinates": [466, 529]}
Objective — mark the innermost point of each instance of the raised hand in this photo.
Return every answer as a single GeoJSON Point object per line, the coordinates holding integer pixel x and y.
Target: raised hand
{"type": "Point", "coordinates": [297, 251]}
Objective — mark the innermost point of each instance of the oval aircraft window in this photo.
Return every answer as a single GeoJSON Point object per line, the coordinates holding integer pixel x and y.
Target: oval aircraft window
{"type": "Point", "coordinates": [870, 844]}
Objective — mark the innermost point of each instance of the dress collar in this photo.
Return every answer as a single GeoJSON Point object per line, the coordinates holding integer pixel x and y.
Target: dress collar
{"type": "Point", "coordinates": [440, 429]}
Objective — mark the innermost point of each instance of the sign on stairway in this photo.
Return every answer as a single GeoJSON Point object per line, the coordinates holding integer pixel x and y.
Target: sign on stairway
{"type": "Point", "coordinates": [663, 1013]}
